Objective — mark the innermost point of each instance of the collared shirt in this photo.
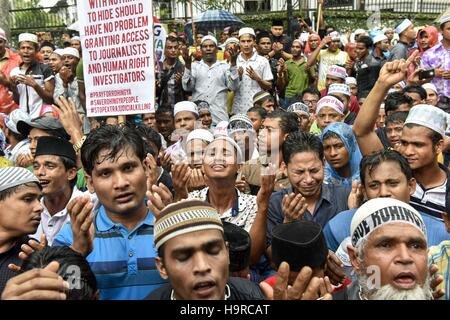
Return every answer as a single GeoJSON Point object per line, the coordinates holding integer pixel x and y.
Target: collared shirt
{"type": "Point", "coordinates": [123, 261]}
{"type": "Point", "coordinates": [399, 51]}
{"type": "Point", "coordinates": [326, 59]}
{"type": "Point", "coordinates": [438, 57]}
{"type": "Point", "coordinates": [70, 92]}
{"type": "Point", "coordinates": [333, 199]}
{"type": "Point", "coordinates": [29, 99]}
{"type": "Point", "coordinates": [50, 225]}
{"type": "Point", "coordinates": [211, 84]}
{"type": "Point", "coordinates": [243, 97]}
{"type": "Point", "coordinates": [431, 201]}
{"type": "Point", "coordinates": [23, 147]}
{"type": "Point", "coordinates": [298, 77]}
{"type": "Point", "coordinates": [367, 72]}
{"type": "Point", "coordinates": [338, 228]}
{"type": "Point", "coordinates": [242, 214]}
{"type": "Point", "coordinates": [440, 255]}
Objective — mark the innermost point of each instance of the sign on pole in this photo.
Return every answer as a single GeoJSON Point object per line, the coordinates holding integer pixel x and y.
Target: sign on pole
{"type": "Point", "coordinates": [159, 42]}
{"type": "Point", "coordinates": [118, 58]}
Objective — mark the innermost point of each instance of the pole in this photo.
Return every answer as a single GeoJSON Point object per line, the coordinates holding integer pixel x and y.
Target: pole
{"type": "Point", "coordinates": [319, 12]}
{"type": "Point", "coordinates": [193, 25]}
{"type": "Point", "coordinates": [289, 16]}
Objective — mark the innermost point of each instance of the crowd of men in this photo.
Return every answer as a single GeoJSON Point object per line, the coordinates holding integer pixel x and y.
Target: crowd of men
{"type": "Point", "coordinates": [306, 168]}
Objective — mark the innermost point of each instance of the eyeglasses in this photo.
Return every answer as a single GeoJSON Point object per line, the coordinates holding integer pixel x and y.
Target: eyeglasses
{"type": "Point", "coordinates": [310, 101]}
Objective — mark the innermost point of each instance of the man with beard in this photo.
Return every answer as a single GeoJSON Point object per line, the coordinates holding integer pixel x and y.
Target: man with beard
{"type": "Point", "coordinates": [20, 215]}
{"type": "Point", "coordinates": [121, 231]}
{"type": "Point", "coordinates": [209, 79]}
{"type": "Point", "coordinates": [32, 83]}
{"type": "Point", "coordinates": [421, 140]}
{"type": "Point", "coordinates": [380, 47]}
{"type": "Point", "coordinates": [388, 252]}
{"type": "Point", "coordinates": [56, 168]}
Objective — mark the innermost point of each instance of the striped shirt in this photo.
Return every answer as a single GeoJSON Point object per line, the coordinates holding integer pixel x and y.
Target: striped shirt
{"type": "Point", "coordinates": [123, 261]}
{"type": "Point", "coordinates": [431, 201]}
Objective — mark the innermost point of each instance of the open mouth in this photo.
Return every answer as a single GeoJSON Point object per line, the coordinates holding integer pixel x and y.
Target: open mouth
{"type": "Point", "coordinates": [124, 198]}
{"type": "Point", "coordinates": [218, 166]}
{"type": "Point", "coordinates": [204, 289]}
{"type": "Point", "coordinates": [44, 183]}
{"type": "Point", "coordinates": [405, 280]}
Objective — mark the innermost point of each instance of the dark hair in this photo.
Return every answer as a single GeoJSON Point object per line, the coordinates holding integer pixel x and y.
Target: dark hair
{"type": "Point", "coordinates": [73, 268]}
{"type": "Point", "coordinates": [70, 164]}
{"type": "Point", "coordinates": [47, 44]}
{"type": "Point", "coordinates": [434, 136]}
{"type": "Point", "coordinates": [115, 139]}
{"type": "Point", "coordinates": [366, 40]}
{"type": "Point", "coordinates": [396, 117]}
{"type": "Point", "coordinates": [288, 120]}
{"type": "Point", "coordinates": [233, 29]}
{"type": "Point", "coordinates": [171, 39]}
{"type": "Point", "coordinates": [263, 34]}
{"type": "Point", "coordinates": [17, 136]}
{"type": "Point", "coordinates": [150, 135]}
{"type": "Point", "coordinates": [416, 89]}
{"type": "Point", "coordinates": [394, 100]}
{"type": "Point", "coordinates": [164, 109]}
{"type": "Point", "coordinates": [331, 134]}
{"type": "Point", "coordinates": [298, 142]}
{"type": "Point", "coordinates": [373, 160]}
{"type": "Point", "coordinates": [260, 110]}
{"type": "Point", "coordinates": [313, 91]}
{"type": "Point", "coordinates": [10, 191]}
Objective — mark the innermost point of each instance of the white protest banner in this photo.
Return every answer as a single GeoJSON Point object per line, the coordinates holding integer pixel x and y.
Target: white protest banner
{"type": "Point", "coordinates": [160, 41]}
{"type": "Point", "coordinates": [118, 61]}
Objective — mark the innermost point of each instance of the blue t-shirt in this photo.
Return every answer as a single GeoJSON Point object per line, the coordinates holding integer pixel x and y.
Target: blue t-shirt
{"type": "Point", "coordinates": [338, 228]}
{"type": "Point", "coordinates": [123, 261]}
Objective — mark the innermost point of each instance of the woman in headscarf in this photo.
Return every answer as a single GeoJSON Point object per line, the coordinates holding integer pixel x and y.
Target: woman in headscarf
{"type": "Point", "coordinates": [312, 43]}
{"type": "Point", "coordinates": [342, 154]}
{"type": "Point", "coordinates": [427, 38]}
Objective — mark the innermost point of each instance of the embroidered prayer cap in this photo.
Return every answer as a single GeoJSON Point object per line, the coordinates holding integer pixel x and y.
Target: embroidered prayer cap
{"type": "Point", "coordinates": [261, 96]}
{"type": "Point", "coordinates": [351, 80]}
{"type": "Point", "coordinates": [379, 37]}
{"type": "Point", "coordinates": [300, 243]}
{"type": "Point", "coordinates": [380, 211]}
{"type": "Point", "coordinates": [428, 116]}
{"type": "Point", "coordinates": [239, 122]}
{"type": "Point", "coordinates": [331, 102]}
{"type": "Point", "coordinates": [202, 105]}
{"type": "Point", "coordinates": [335, 35]}
{"type": "Point", "coordinates": [236, 147]}
{"type": "Point", "coordinates": [59, 52]}
{"type": "Point", "coordinates": [430, 86]}
{"type": "Point", "coordinates": [185, 217]}
{"type": "Point", "coordinates": [221, 129]}
{"type": "Point", "coordinates": [15, 176]}
{"type": "Point", "coordinates": [231, 40]}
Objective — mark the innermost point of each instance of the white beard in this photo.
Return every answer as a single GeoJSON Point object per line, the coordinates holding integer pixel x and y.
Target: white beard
{"type": "Point", "coordinates": [389, 292]}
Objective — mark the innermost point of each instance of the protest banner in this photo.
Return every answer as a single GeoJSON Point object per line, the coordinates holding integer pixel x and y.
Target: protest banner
{"type": "Point", "coordinates": [118, 56]}
{"type": "Point", "coordinates": [160, 35]}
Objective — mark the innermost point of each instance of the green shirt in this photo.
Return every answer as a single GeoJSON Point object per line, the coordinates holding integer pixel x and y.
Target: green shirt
{"type": "Point", "coordinates": [298, 78]}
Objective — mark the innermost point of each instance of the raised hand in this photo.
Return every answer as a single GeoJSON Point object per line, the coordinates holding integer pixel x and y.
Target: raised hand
{"type": "Point", "coordinates": [159, 196]}
{"type": "Point", "coordinates": [242, 185]}
{"type": "Point", "coordinates": [152, 172]}
{"type": "Point", "coordinates": [196, 180]}
{"type": "Point", "coordinates": [334, 269]}
{"type": "Point", "coordinates": [186, 57]}
{"type": "Point", "coordinates": [24, 160]}
{"type": "Point", "coordinates": [180, 177]}
{"type": "Point", "coordinates": [305, 286]}
{"type": "Point", "coordinates": [178, 76]}
{"type": "Point", "coordinates": [395, 71]}
{"type": "Point", "coordinates": [233, 52]}
{"type": "Point", "coordinates": [325, 41]}
{"type": "Point", "coordinates": [81, 218]}
{"type": "Point", "coordinates": [28, 249]}
{"type": "Point", "coordinates": [294, 207]}
{"type": "Point", "coordinates": [69, 117]}
{"type": "Point", "coordinates": [253, 74]}
{"type": "Point", "coordinates": [355, 197]}
{"type": "Point", "coordinates": [435, 282]}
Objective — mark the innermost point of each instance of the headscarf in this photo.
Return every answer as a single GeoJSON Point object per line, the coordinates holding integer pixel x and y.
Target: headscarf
{"type": "Point", "coordinates": [433, 38]}
{"type": "Point", "coordinates": [308, 49]}
{"type": "Point", "coordinates": [345, 133]}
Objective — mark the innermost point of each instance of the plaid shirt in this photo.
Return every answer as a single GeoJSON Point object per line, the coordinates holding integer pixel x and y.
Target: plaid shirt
{"type": "Point", "coordinates": [440, 255]}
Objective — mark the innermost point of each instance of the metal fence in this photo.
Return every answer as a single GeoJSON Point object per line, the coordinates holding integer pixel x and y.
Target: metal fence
{"type": "Point", "coordinates": [406, 6]}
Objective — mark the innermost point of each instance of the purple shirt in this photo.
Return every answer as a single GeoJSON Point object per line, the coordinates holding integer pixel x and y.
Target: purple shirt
{"type": "Point", "coordinates": [438, 57]}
